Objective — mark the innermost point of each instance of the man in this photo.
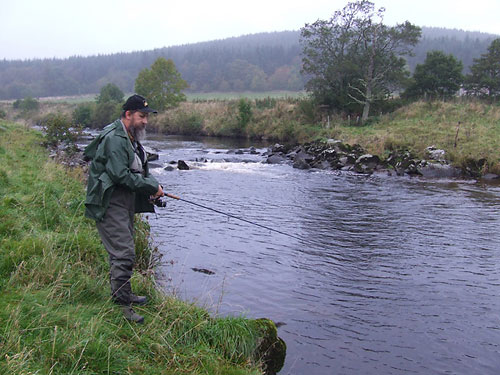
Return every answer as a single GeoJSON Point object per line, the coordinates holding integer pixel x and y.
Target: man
{"type": "Point", "coordinates": [120, 185]}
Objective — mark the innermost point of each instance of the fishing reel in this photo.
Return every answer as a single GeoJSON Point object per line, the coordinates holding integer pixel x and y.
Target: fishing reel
{"type": "Point", "coordinates": [158, 202]}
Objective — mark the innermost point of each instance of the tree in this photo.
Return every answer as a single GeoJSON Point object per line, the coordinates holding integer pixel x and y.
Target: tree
{"type": "Point", "coordinates": [484, 78]}
{"type": "Point", "coordinates": [440, 76]}
{"type": "Point", "coordinates": [162, 85]}
{"type": "Point", "coordinates": [353, 58]}
{"type": "Point", "coordinates": [110, 92]}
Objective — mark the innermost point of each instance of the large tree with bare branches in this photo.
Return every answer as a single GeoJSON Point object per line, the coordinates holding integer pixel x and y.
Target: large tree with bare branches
{"type": "Point", "coordinates": [354, 58]}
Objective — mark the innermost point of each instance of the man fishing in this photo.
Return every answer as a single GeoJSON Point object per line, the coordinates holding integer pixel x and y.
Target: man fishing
{"type": "Point", "coordinates": [120, 185]}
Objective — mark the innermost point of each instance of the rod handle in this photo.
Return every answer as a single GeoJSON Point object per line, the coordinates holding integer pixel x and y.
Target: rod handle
{"type": "Point", "coordinates": [172, 196]}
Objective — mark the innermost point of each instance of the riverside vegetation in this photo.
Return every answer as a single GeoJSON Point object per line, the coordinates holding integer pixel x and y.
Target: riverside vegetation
{"type": "Point", "coordinates": [56, 316]}
{"type": "Point", "coordinates": [466, 129]}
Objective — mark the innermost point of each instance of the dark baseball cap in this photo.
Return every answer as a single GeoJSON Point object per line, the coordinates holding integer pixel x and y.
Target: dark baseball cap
{"type": "Point", "coordinates": [138, 103]}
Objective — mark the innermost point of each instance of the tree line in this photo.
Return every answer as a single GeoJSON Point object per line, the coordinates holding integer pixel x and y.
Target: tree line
{"type": "Point", "coordinates": [258, 62]}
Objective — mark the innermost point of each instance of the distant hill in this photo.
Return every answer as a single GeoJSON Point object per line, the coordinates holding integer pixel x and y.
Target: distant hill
{"type": "Point", "coordinates": [256, 62]}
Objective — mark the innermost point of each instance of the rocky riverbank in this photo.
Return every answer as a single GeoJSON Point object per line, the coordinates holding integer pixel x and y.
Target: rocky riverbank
{"type": "Point", "coordinates": [336, 155]}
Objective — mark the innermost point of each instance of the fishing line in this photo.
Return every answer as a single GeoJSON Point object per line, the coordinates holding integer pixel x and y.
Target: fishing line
{"type": "Point", "coordinates": [239, 218]}
{"type": "Point", "coordinates": [340, 258]}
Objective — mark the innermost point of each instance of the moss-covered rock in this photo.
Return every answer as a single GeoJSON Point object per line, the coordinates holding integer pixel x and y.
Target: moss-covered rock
{"type": "Point", "coordinates": [271, 350]}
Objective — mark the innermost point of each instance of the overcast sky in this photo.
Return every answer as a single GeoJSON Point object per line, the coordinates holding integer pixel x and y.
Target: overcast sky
{"type": "Point", "coordinates": [63, 28]}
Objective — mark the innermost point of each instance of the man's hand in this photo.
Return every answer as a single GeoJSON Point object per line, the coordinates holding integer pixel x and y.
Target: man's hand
{"type": "Point", "coordinates": [159, 193]}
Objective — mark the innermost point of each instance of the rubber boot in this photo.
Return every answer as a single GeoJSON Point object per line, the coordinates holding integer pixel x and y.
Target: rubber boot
{"type": "Point", "coordinates": [138, 300]}
{"type": "Point", "coordinates": [131, 315]}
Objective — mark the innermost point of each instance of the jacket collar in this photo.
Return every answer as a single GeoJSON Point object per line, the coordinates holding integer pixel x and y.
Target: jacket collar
{"type": "Point", "coordinates": [120, 129]}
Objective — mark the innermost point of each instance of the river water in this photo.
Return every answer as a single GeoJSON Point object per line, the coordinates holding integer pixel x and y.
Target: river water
{"type": "Point", "coordinates": [388, 275]}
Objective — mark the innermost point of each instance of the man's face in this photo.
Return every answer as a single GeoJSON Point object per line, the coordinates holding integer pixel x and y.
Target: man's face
{"type": "Point", "coordinates": [138, 122]}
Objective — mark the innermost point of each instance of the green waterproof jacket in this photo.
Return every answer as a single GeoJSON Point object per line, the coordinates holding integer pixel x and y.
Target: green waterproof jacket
{"type": "Point", "coordinates": [112, 155]}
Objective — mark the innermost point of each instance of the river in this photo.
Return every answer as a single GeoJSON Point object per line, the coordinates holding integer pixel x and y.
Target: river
{"type": "Point", "coordinates": [388, 275]}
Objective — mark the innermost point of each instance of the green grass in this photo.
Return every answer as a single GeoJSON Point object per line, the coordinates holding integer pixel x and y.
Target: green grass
{"type": "Point", "coordinates": [56, 316]}
{"type": "Point", "coordinates": [465, 130]}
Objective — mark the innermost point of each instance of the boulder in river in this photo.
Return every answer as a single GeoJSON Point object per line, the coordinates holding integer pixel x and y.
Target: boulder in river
{"type": "Point", "coordinates": [181, 165]}
{"type": "Point", "coordinates": [367, 163]}
{"type": "Point", "coordinates": [151, 154]}
{"type": "Point", "coordinates": [301, 163]}
{"type": "Point", "coordinates": [276, 159]}
{"type": "Point", "coordinates": [438, 170]}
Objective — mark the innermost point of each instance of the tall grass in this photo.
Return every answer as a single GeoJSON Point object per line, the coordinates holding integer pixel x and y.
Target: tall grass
{"type": "Point", "coordinates": [56, 316]}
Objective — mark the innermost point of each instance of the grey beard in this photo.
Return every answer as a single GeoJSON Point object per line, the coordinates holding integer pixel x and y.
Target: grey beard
{"type": "Point", "coordinates": [139, 134]}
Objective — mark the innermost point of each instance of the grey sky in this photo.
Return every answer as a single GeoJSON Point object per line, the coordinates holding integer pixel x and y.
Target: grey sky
{"type": "Point", "coordinates": [62, 28]}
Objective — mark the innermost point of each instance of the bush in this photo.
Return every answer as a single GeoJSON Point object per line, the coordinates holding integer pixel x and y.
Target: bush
{"type": "Point", "coordinates": [27, 104]}
{"type": "Point", "coordinates": [105, 113]}
{"type": "Point", "coordinates": [308, 111]}
{"type": "Point", "coordinates": [244, 114]}
{"type": "Point", "coordinates": [191, 124]}
{"type": "Point", "coordinates": [3, 114]}
{"type": "Point", "coordinates": [82, 115]}
{"type": "Point", "coordinates": [58, 130]}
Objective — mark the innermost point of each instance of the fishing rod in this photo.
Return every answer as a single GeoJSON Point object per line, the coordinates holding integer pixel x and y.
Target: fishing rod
{"type": "Point", "coordinates": [233, 216]}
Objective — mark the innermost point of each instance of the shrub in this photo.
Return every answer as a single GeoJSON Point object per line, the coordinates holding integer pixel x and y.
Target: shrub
{"type": "Point", "coordinates": [27, 104]}
{"type": "Point", "coordinates": [244, 114]}
{"type": "Point", "coordinates": [308, 111]}
{"type": "Point", "coordinates": [83, 114]}
{"type": "Point", "coordinates": [57, 127]}
{"type": "Point", "coordinates": [105, 113]}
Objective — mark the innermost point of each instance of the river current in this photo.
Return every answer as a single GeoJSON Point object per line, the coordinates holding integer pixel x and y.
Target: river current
{"type": "Point", "coordinates": [388, 275]}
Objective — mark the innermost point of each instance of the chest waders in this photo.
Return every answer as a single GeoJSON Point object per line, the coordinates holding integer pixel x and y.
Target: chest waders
{"type": "Point", "coordinates": [116, 230]}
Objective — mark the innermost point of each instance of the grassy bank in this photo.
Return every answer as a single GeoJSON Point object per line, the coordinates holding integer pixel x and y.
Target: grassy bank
{"type": "Point", "coordinates": [56, 316]}
{"type": "Point", "coordinates": [467, 130]}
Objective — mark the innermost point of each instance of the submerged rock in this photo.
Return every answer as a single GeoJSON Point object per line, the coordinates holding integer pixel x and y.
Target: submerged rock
{"type": "Point", "coordinates": [203, 270]}
{"type": "Point", "coordinates": [490, 177]}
